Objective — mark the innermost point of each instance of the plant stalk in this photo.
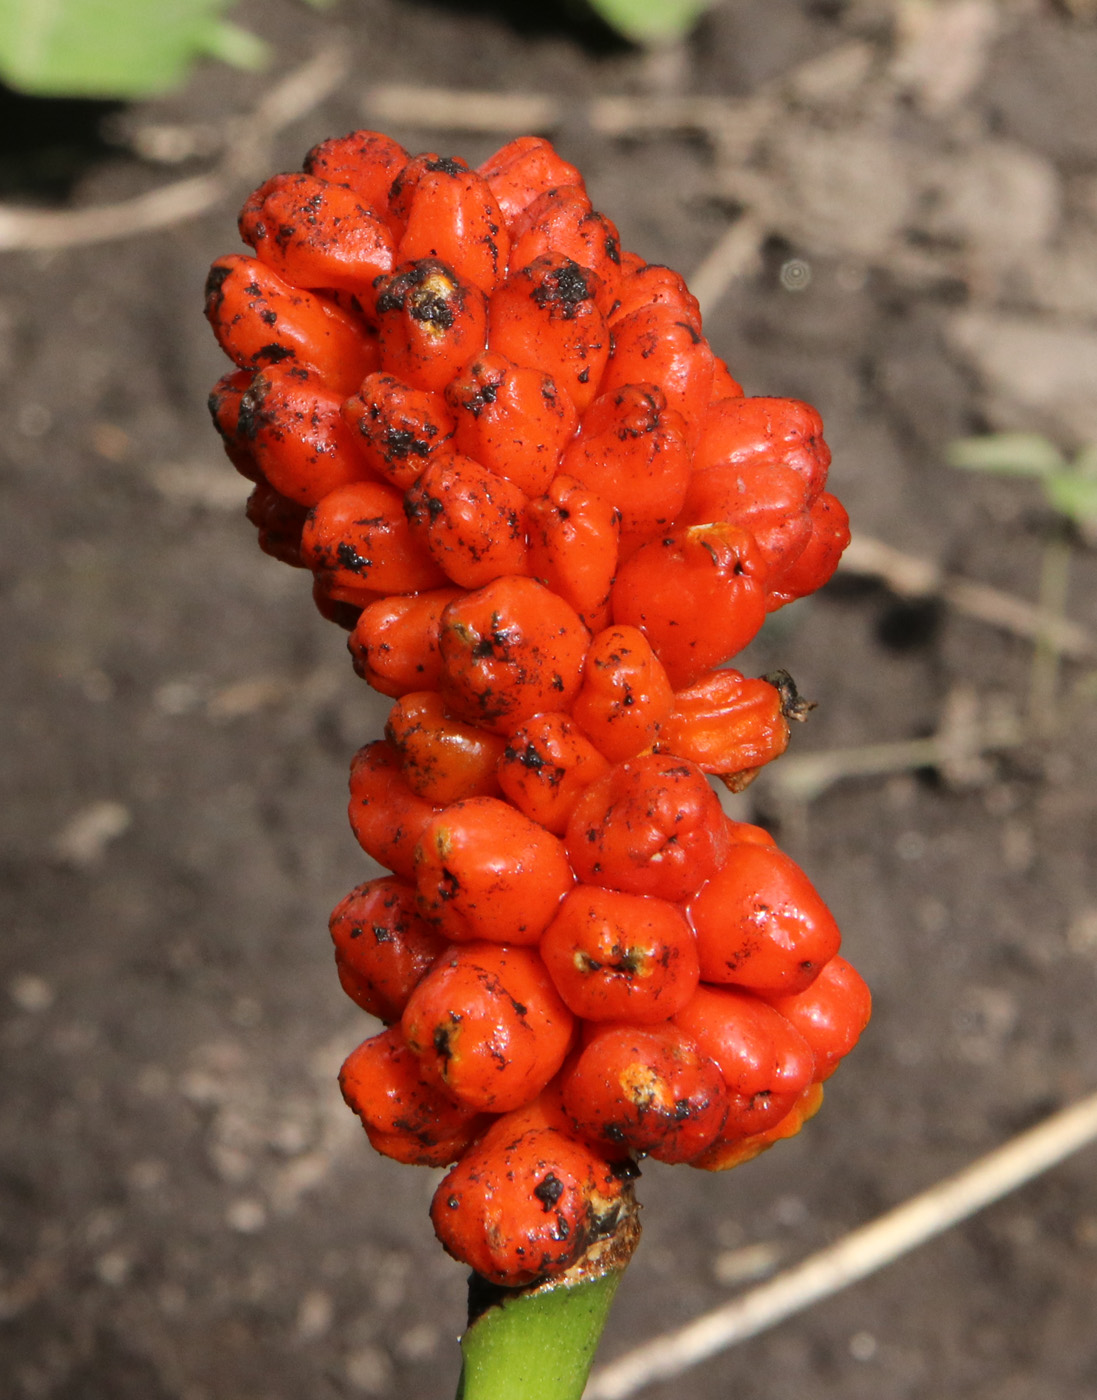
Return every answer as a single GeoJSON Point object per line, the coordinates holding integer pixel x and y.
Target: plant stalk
{"type": "Point", "coordinates": [538, 1343]}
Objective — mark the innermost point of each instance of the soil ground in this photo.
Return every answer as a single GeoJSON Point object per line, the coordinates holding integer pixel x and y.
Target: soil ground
{"type": "Point", "coordinates": [189, 1213]}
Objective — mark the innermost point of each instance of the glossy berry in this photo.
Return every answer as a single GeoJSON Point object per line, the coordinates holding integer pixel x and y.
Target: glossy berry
{"type": "Point", "coordinates": [318, 235]}
{"type": "Point", "coordinates": [765, 1061]}
{"type": "Point", "coordinates": [546, 315]}
{"type": "Point", "coordinates": [524, 169]}
{"type": "Point", "coordinates": [697, 594]}
{"type": "Point", "coordinates": [650, 826]}
{"type": "Point", "coordinates": [387, 818]}
{"type": "Point", "coordinates": [483, 870]}
{"type": "Point", "coordinates": [398, 429]}
{"type": "Point", "coordinates": [525, 1202]}
{"type": "Point", "coordinates": [430, 323]}
{"type": "Point", "coordinates": [260, 319]}
{"type": "Point", "coordinates": [767, 431]}
{"type": "Point", "coordinates": [451, 215]}
{"type": "Point", "coordinates": [830, 1014]}
{"type": "Point", "coordinates": [394, 644]}
{"type": "Point", "coordinates": [512, 419]}
{"type": "Point", "coordinates": [625, 697]}
{"type": "Point", "coordinates": [547, 765]}
{"type": "Point", "coordinates": [293, 426]}
{"type": "Point", "coordinates": [367, 162]}
{"type": "Point", "coordinates": [383, 947]}
{"type": "Point", "coordinates": [631, 439]}
{"type": "Point", "coordinates": [761, 924]}
{"type": "Point", "coordinates": [646, 1088]}
{"type": "Point", "coordinates": [732, 1151]}
{"type": "Point", "coordinates": [442, 758]}
{"type": "Point", "coordinates": [404, 1115]}
{"type": "Point", "coordinates": [359, 537]}
{"type": "Point", "coordinates": [621, 957]}
{"type": "Point", "coordinates": [488, 1026]}
{"type": "Point", "coordinates": [726, 724]}
{"type": "Point", "coordinates": [509, 651]}
{"type": "Point", "coordinates": [469, 520]}
{"type": "Point", "coordinates": [573, 547]}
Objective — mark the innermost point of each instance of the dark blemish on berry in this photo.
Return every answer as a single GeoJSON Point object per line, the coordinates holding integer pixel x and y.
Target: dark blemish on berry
{"type": "Point", "coordinates": [268, 317]}
{"type": "Point", "coordinates": [441, 1042]}
{"type": "Point", "coordinates": [428, 308]}
{"type": "Point", "coordinates": [274, 354]}
{"type": "Point", "coordinates": [446, 165]}
{"type": "Point", "coordinates": [529, 757]}
{"type": "Point", "coordinates": [214, 284]}
{"type": "Point", "coordinates": [381, 932]}
{"type": "Point", "coordinates": [350, 559]}
{"type": "Point", "coordinates": [583, 377]}
{"type": "Point", "coordinates": [453, 1202]}
{"type": "Point", "coordinates": [448, 886]}
{"type": "Point", "coordinates": [549, 1191]}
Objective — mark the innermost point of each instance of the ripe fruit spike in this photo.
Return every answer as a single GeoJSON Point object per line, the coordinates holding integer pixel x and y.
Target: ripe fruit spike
{"type": "Point", "coordinates": [548, 516]}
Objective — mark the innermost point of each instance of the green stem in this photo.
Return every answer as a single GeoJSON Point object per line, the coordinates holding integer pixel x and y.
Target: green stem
{"type": "Point", "coordinates": [538, 1343]}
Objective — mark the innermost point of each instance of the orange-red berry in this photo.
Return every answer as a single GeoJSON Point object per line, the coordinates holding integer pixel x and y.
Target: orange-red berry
{"type": "Point", "coordinates": [760, 923]}
{"type": "Point", "coordinates": [509, 651]}
{"type": "Point", "coordinates": [647, 1088]}
{"type": "Point", "coordinates": [621, 957]}
{"type": "Point", "coordinates": [547, 765]}
{"type": "Point", "coordinates": [488, 1026]}
{"type": "Point", "coordinates": [383, 947]}
{"type": "Point", "coordinates": [485, 871]}
{"type": "Point", "coordinates": [405, 1116]}
{"type": "Point", "coordinates": [650, 826]}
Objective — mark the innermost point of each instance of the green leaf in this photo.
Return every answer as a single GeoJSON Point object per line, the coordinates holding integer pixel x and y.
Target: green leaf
{"type": "Point", "coordinates": [114, 48]}
{"type": "Point", "coordinates": [651, 21]}
{"type": "Point", "coordinates": [1009, 454]}
{"type": "Point", "coordinates": [1073, 495]}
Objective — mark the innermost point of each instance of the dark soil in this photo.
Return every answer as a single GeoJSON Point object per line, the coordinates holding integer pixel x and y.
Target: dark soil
{"type": "Point", "coordinates": [188, 1210]}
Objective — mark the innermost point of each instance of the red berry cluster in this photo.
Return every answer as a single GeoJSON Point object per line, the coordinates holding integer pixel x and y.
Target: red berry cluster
{"type": "Point", "coordinates": [548, 516]}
